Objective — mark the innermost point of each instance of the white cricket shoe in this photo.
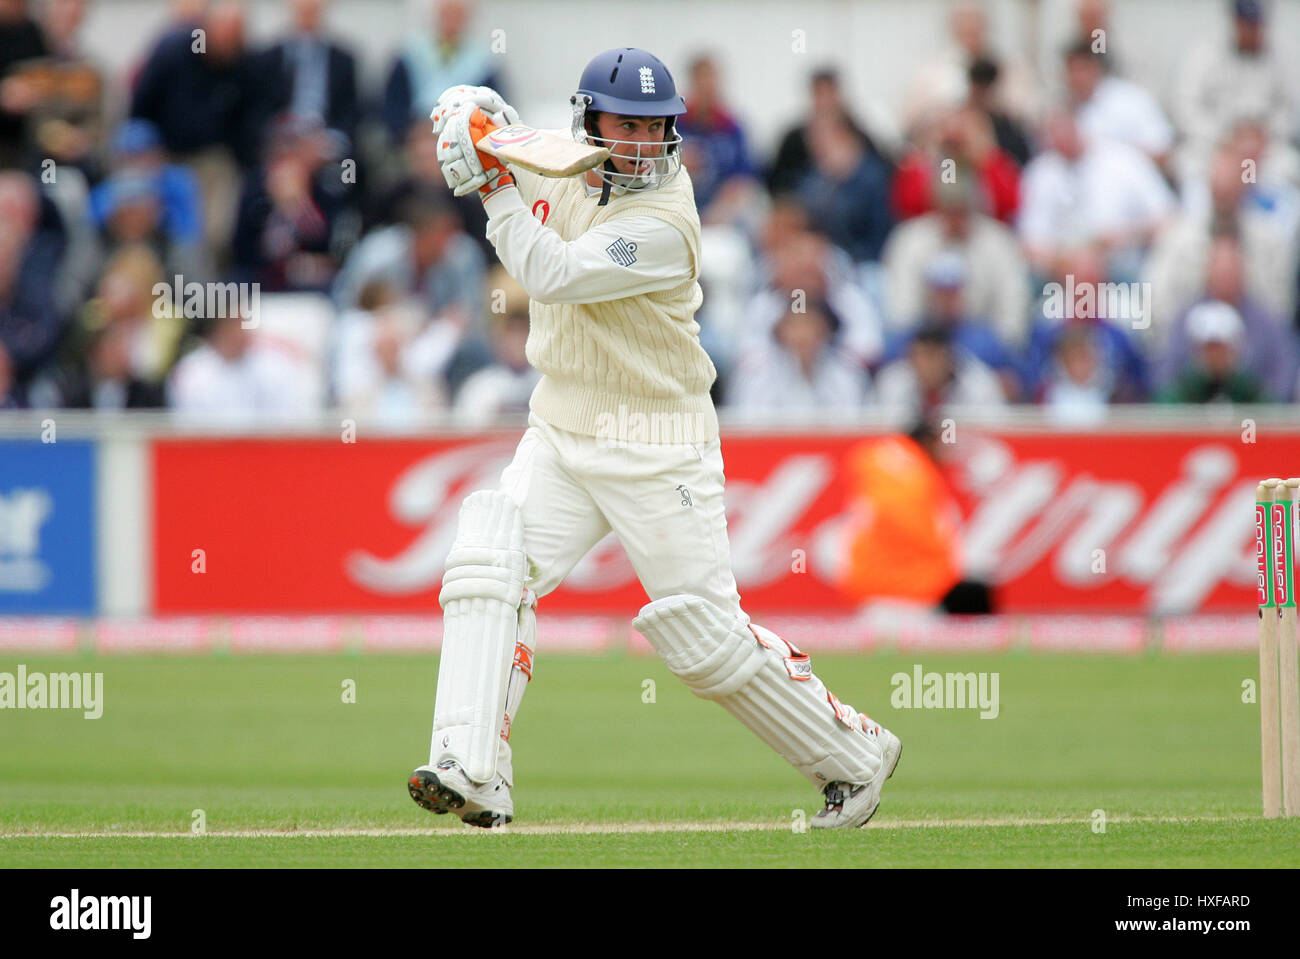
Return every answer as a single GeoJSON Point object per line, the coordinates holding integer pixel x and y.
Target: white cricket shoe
{"type": "Point", "coordinates": [445, 788]}
{"type": "Point", "coordinates": [853, 804]}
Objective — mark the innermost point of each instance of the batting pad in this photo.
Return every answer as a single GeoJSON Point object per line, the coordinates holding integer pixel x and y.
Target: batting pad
{"type": "Point", "coordinates": [764, 682]}
{"type": "Point", "coordinates": [481, 596]}
{"type": "Point", "coordinates": [521, 673]}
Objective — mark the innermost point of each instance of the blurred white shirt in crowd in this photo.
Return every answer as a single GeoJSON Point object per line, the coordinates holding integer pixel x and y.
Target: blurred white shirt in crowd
{"type": "Point", "coordinates": [494, 391]}
{"type": "Point", "coordinates": [974, 384]}
{"type": "Point", "coordinates": [996, 285]}
{"type": "Point", "coordinates": [1111, 190]}
{"type": "Point", "coordinates": [863, 331]}
{"type": "Point", "coordinates": [387, 370]}
{"type": "Point", "coordinates": [1075, 404]}
{"type": "Point", "coordinates": [769, 379]}
{"type": "Point", "coordinates": [1221, 86]}
{"type": "Point", "coordinates": [1123, 111]}
{"type": "Point", "coordinates": [263, 385]}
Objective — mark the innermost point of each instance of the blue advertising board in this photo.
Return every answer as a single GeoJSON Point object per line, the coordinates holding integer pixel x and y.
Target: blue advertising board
{"type": "Point", "coordinates": [47, 527]}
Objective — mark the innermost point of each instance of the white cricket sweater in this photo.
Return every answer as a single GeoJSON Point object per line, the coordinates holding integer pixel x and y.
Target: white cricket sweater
{"type": "Point", "coordinates": [613, 298]}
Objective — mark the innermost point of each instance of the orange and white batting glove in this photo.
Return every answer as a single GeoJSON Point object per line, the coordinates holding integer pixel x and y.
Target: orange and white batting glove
{"type": "Point", "coordinates": [464, 166]}
{"type": "Point", "coordinates": [464, 99]}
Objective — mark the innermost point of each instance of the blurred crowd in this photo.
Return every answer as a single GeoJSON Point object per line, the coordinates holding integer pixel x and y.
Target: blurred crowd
{"type": "Point", "coordinates": [1057, 235]}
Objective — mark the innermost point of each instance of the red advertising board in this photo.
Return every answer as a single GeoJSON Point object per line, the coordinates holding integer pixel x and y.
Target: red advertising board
{"type": "Point", "coordinates": [1100, 522]}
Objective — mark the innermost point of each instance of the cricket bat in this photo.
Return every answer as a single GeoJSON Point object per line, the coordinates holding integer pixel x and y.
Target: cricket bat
{"type": "Point", "coordinates": [543, 153]}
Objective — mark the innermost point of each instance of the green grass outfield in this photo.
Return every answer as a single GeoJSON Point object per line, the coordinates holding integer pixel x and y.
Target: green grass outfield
{"type": "Point", "coordinates": [287, 774]}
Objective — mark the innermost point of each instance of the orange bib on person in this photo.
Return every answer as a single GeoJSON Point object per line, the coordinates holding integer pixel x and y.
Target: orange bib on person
{"type": "Point", "coordinates": [903, 539]}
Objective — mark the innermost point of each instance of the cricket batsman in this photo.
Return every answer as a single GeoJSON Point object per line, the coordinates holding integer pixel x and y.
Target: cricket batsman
{"type": "Point", "coordinates": [622, 436]}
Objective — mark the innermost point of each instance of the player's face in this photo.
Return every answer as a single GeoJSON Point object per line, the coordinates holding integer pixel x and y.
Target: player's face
{"type": "Point", "coordinates": [643, 138]}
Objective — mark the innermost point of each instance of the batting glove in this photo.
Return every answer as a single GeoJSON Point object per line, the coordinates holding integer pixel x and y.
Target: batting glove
{"type": "Point", "coordinates": [466, 98]}
{"type": "Point", "coordinates": [464, 167]}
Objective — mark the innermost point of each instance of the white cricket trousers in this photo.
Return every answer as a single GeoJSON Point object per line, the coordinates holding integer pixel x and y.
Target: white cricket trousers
{"type": "Point", "coordinates": [663, 501]}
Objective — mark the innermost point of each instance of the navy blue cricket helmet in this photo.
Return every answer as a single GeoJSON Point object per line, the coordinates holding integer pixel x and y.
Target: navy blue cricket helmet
{"type": "Point", "coordinates": [629, 82]}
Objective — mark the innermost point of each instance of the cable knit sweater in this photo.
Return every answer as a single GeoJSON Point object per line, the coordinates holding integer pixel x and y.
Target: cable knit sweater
{"type": "Point", "coordinates": [628, 366]}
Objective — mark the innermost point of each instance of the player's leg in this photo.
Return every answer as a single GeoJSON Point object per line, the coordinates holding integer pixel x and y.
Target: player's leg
{"type": "Point", "coordinates": [673, 526]}
{"type": "Point", "coordinates": [768, 684]}
{"type": "Point", "coordinates": [561, 525]}
{"type": "Point", "coordinates": [511, 545]}
{"type": "Point", "coordinates": [483, 594]}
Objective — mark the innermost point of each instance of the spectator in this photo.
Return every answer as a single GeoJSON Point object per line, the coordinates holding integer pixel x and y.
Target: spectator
{"type": "Point", "coordinates": [1123, 369]}
{"type": "Point", "coordinates": [933, 374]}
{"type": "Point", "coordinates": [426, 255]}
{"type": "Point", "coordinates": [1084, 192]}
{"type": "Point", "coordinates": [1221, 86]}
{"type": "Point", "coordinates": [432, 62]}
{"type": "Point", "coordinates": [1116, 370]}
{"type": "Point", "coordinates": [1268, 175]}
{"type": "Point", "coordinates": [1263, 343]}
{"type": "Point", "coordinates": [173, 220]}
{"type": "Point", "coordinates": [794, 157]}
{"type": "Point", "coordinates": [941, 84]}
{"type": "Point", "coordinates": [312, 78]}
{"type": "Point", "coordinates": [732, 207]}
{"type": "Point", "coordinates": [960, 143]}
{"type": "Point", "coordinates": [802, 370]}
{"type": "Point", "coordinates": [847, 192]}
{"type": "Point", "coordinates": [1075, 390]}
{"type": "Point", "coordinates": [1108, 107]}
{"type": "Point", "coordinates": [418, 172]}
{"type": "Point", "coordinates": [1215, 372]}
{"type": "Point", "coordinates": [134, 214]}
{"type": "Point", "coordinates": [996, 278]}
{"type": "Point", "coordinates": [1262, 224]}
{"type": "Point", "coordinates": [64, 139]}
{"type": "Point", "coordinates": [30, 321]}
{"type": "Point", "coordinates": [986, 97]}
{"type": "Point", "coordinates": [800, 266]}
{"type": "Point", "coordinates": [137, 150]}
{"type": "Point", "coordinates": [945, 308]}
{"type": "Point", "coordinates": [151, 329]}
{"type": "Point", "coordinates": [737, 276]}
{"type": "Point", "coordinates": [204, 101]}
{"type": "Point", "coordinates": [107, 382]}
{"type": "Point", "coordinates": [713, 144]}
{"type": "Point", "coordinates": [295, 215]}
{"type": "Point", "coordinates": [237, 379]}
{"type": "Point", "coordinates": [381, 369]}
{"type": "Point", "coordinates": [64, 119]}
{"type": "Point", "coordinates": [21, 40]}
{"type": "Point", "coordinates": [504, 387]}
{"type": "Point", "coordinates": [1092, 26]}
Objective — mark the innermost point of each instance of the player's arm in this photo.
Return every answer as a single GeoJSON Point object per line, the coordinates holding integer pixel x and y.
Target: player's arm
{"type": "Point", "coordinates": [623, 257]}
{"type": "Point", "coordinates": [631, 256]}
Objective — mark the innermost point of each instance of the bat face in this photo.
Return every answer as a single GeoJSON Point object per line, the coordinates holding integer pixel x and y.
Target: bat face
{"type": "Point", "coordinates": [516, 135]}
{"type": "Point", "coordinates": [542, 153]}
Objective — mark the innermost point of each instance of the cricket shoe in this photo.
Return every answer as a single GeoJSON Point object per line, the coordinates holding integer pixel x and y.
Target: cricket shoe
{"type": "Point", "coordinates": [850, 804]}
{"type": "Point", "coordinates": [445, 788]}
